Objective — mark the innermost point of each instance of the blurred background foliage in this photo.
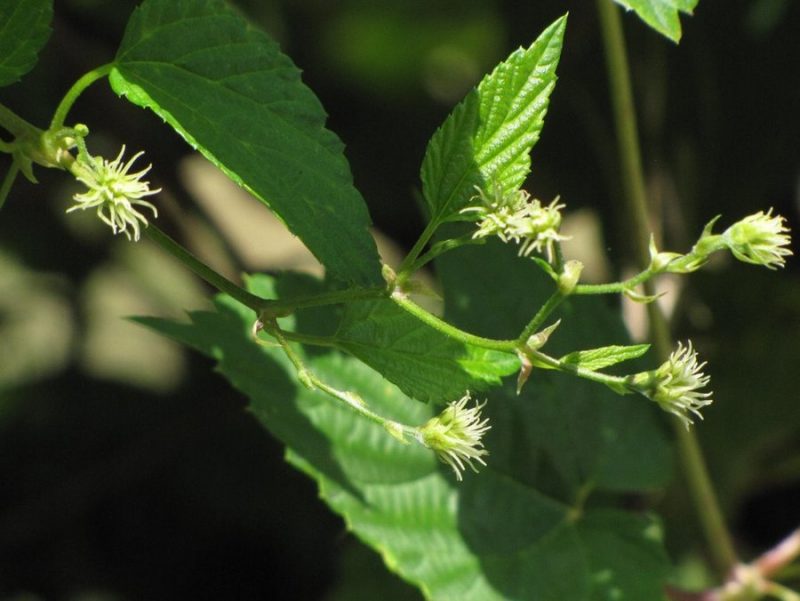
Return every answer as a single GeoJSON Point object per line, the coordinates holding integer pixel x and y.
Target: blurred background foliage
{"type": "Point", "coordinates": [129, 469]}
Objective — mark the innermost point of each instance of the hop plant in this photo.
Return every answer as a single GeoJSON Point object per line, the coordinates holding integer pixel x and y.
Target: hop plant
{"type": "Point", "coordinates": [455, 435]}
{"type": "Point", "coordinates": [515, 217]}
{"type": "Point", "coordinates": [114, 192]}
{"type": "Point", "coordinates": [676, 385]}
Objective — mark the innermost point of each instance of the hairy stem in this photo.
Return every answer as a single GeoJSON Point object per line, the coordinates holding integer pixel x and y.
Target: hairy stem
{"type": "Point", "coordinates": [407, 266]}
{"type": "Point", "coordinates": [695, 470]}
{"type": "Point", "coordinates": [350, 399]}
{"type": "Point", "coordinates": [204, 271]}
{"type": "Point", "coordinates": [507, 346]}
{"type": "Point", "coordinates": [285, 306]}
{"type": "Point", "coordinates": [74, 92]}
{"type": "Point", "coordinates": [534, 324]}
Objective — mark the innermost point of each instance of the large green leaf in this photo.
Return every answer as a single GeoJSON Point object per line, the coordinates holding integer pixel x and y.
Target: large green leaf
{"type": "Point", "coordinates": [512, 532]}
{"type": "Point", "coordinates": [489, 135]}
{"type": "Point", "coordinates": [24, 29]}
{"type": "Point", "coordinates": [426, 364]}
{"type": "Point", "coordinates": [226, 87]}
{"type": "Point", "coordinates": [661, 15]}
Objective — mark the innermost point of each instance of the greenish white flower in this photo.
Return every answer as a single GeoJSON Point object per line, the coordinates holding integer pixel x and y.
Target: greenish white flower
{"type": "Point", "coordinates": [114, 192]}
{"type": "Point", "coordinates": [676, 385]}
{"type": "Point", "coordinates": [761, 239]}
{"type": "Point", "coordinates": [514, 216]}
{"type": "Point", "coordinates": [455, 435]}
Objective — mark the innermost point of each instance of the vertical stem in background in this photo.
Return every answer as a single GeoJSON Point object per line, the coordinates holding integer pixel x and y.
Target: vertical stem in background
{"type": "Point", "coordinates": [694, 468]}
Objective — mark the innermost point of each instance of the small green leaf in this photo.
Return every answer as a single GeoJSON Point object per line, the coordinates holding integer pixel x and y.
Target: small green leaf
{"type": "Point", "coordinates": [229, 91]}
{"type": "Point", "coordinates": [24, 29]}
{"type": "Point", "coordinates": [424, 363]}
{"type": "Point", "coordinates": [489, 135]}
{"type": "Point", "coordinates": [605, 356]}
{"type": "Point", "coordinates": [661, 15]}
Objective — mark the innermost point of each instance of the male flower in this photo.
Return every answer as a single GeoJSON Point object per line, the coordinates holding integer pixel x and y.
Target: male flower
{"type": "Point", "coordinates": [761, 239]}
{"type": "Point", "coordinates": [514, 216]}
{"type": "Point", "coordinates": [114, 192]}
{"type": "Point", "coordinates": [455, 435]}
{"type": "Point", "coordinates": [676, 384]}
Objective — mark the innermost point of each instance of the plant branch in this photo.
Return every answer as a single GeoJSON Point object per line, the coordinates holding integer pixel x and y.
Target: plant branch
{"type": "Point", "coordinates": [285, 306]}
{"type": "Point", "coordinates": [780, 556]}
{"type": "Point", "coordinates": [406, 268]}
{"type": "Point", "coordinates": [311, 381]}
{"type": "Point", "coordinates": [706, 503]}
{"type": "Point", "coordinates": [204, 271]}
{"type": "Point", "coordinates": [533, 325]}
{"type": "Point", "coordinates": [15, 124]}
{"type": "Point", "coordinates": [506, 346]}
{"type": "Point", "coordinates": [74, 92]}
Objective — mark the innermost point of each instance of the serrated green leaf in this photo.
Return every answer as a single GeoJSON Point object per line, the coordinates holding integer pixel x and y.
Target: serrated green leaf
{"type": "Point", "coordinates": [421, 361]}
{"type": "Point", "coordinates": [508, 532]}
{"type": "Point", "coordinates": [605, 356]}
{"type": "Point", "coordinates": [229, 91]}
{"type": "Point", "coordinates": [489, 135]}
{"type": "Point", "coordinates": [24, 29]}
{"type": "Point", "coordinates": [661, 15]}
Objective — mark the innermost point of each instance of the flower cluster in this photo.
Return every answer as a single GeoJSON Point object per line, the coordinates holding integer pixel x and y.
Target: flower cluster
{"type": "Point", "coordinates": [761, 239]}
{"type": "Point", "coordinates": [514, 216]}
{"type": "Point", "coordinates": [676, 384]}
{"type": "Point", "coordinates": [455, 435]}
{"type": "Point", "coordinates": [114, 192]}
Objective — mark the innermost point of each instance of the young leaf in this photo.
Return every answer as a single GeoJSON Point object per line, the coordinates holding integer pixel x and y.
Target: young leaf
{"type": "Point", "coordinates": [605, 356]}
{"type": "Point", "coordinates": [510, 531]}
{"type": "Point", "coordinates": [24, 29]}
{"type": "Point", "coordinates": [489, 135]}
{"type": "Point", "coordinates": [421, 361]}
{"type": "Point", "coordinates": [661, 15]}
{"type": "Point", "coordinates": [229, 91]}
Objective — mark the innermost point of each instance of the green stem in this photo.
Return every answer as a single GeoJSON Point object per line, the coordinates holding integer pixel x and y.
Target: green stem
{"type": "Point", "coordinates": [310, 379]}
{"type": "Point", "coordinates": [406, 267]}
{"type": "Point", "coordinates": [507, 346]}
{"type": "Point", "coordinates": [696, 473]}
{"type": "Point", "coordinates": [614, 287]}
{"type": "Point", "coordinates": [442, 247]}
{"type": "Point", "coordinates": [74, 92]}
{"type": "Point", "coordinates": [8, 181]}
{"type": "Point", "coordinates": [617, 383]}
{"type": "Point", "coordinates": [16, 125]}
{"type": "Point", "coordinates": [534, 324]}
{"type": "Point", "coordinates": [204, 271]}
{"type": "Point", "coordinates": [285, 306]}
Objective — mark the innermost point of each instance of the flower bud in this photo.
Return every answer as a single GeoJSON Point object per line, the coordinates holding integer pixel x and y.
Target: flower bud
{"type": "Point", "coordinates": [569, 277]}
{"type": "Point", "coordinates": [660, 261]}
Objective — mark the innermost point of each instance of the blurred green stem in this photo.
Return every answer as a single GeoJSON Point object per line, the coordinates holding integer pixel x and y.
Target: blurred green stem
{"type": "Point", "coordinates": [8, 181]}
{"type": "Point", "coordinates": [695, 471]}
{"type": "Point", "coordinates": [74, 92]}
